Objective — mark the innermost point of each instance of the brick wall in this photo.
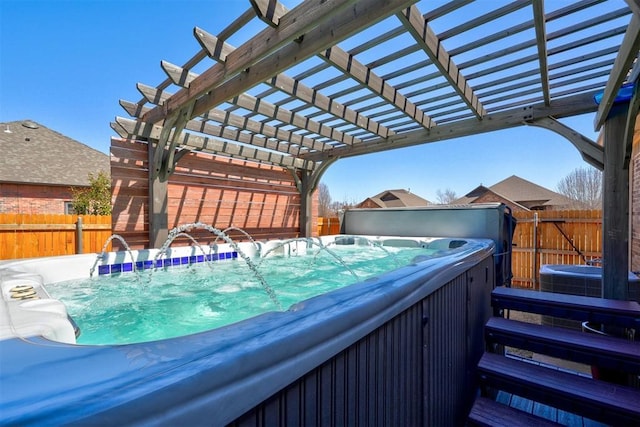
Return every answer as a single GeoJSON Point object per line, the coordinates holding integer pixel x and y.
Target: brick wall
{"type": "Point", "coordinates": [634, 201]}
{"type": "Point", "coordinates": [33, 199]}
{"type": "Point", "coordinates": [259, 199]}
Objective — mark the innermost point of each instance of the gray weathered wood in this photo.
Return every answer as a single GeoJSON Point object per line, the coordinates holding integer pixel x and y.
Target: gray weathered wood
{"type": "Point", "coordinates": [628, 52]}
{"type": "Point", "coordinates": [219, 50]}
{"type": "Point", "coordinates": [213, 145]}
{"type": "Point", "coordinates": [615, 203]}
{"type": "Point", "coordinates": [299, 21]}
{"type": "Point", "coordinates": [541, 42]}
{"type": "Point", "coordinates": [563, 107]}
{"type": "Point", "coordinates": [265, 108]}
{"type": "Point", "coordinates": [412, 19]}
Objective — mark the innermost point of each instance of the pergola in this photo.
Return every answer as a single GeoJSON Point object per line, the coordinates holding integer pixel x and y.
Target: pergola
{"type": "Point", "coordinates": [331, 79]}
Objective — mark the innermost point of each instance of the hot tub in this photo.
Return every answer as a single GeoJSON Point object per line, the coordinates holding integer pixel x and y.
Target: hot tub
{"type": "Point", "coordinates": [574, 279]}
{"type": "Point", "coordinates": [330, 355]}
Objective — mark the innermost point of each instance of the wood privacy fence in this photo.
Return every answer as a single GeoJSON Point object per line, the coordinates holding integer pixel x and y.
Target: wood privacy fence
{"type": "Point", "coordinates": [542, 237]}
{"type": "Point", "coordinates": [328, 226]}
{"type": "Point", "coordinates": [38, 235]}
{"type": "Point", "coordinates": [554, 237]}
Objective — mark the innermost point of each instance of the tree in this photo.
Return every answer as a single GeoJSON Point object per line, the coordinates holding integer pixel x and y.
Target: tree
{"type": "Point", "coordinates": [445, 197]}
{"type": "Point", "coordinates": [94, 200]}
{"type": "Point", "coordinates": [584, 187]}
{"type": "Point", "coordinates": [324, 200]}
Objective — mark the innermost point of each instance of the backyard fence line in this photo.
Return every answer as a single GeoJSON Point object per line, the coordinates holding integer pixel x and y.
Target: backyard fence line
{"type": "Point", "coordinates": [554, 237]}
{"type": "Point", "coordinates": [541, 237]}
{"type": "Point", "coordinates": [328, 226]}
{"type": "Point", "coordinates": [38, 235]}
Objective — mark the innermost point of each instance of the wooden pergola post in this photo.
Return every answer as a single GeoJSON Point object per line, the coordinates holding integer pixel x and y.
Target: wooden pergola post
{"type": "Point", "coordinates": [307, 182]}
{"type": "Point", "coordinates": [615, 204]}
{"type": "Point", "coordinates": [158, 217]}
{"type": "Point", "coordinates": [306, 205]}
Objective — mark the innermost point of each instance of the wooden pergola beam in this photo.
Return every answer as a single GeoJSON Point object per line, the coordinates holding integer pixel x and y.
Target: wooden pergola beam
{"type": "Point", "coordinates": [230, 119]}
{"type": "Point", "coordinates": [321, 37]}
{"type": "Point", "coordinates": [563, 107]}
{"type": "Point", "coordinates": [231, 132]}
{"type": "Point", "coordinates": [351, 67]}
{"type": "Point", "coordinates": [267, 109]}
{"type": "Point", "coordinates": [634, 5]}
{"type": "Point", "coordinates": [541, 42]}
{"type": "Point", "coordinates": [219, 50]}
{"type": "Point", "coordinates": [626, 55]}
{"type": "Point", "coordinates": [322, 22]}
{"type": "Point", "coordinates": [415, 23]}
{"type": "Point", "coordinates": [128, 128]}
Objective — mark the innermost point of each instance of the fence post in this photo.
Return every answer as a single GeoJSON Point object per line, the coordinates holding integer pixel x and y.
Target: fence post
{"type": "Point", "coordinates": [79, 235]}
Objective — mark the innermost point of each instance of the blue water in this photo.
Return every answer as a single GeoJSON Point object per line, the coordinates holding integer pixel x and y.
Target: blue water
{"type": "Point", "coordinates": [150, 306]}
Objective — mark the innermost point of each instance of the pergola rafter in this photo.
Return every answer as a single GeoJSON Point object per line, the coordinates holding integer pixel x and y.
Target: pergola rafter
{"type": "Point", "coordinates": [376, 75]}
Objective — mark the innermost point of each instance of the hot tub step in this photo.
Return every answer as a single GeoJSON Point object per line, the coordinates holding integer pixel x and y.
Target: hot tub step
{"type": "Point", "coordinates": [599, 310]}
{"type": "Point", "coordinates": [609, 352]}
{"type": "Point", "coordinates": [598, 400]}
{"type": "Point", "coordinates": [489, 413]}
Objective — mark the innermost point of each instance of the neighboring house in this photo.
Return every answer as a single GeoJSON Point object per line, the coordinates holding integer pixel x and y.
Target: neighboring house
{"type": "Point", "coordinates": [517, 193]}
{"type": "Point", "coordinates": [393, 199]}
{"type": "Point", "coordinates": [38, 167]}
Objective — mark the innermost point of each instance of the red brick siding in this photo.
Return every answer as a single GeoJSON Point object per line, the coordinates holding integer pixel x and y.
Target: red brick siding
{"type": "Point", "coordinates": [33, 199]}
{"type": "Point", "coordinates": [634, 201]}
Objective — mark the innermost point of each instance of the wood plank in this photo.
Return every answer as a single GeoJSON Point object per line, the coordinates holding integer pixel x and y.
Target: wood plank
{"type": "Point", "coordinates": [219, 49]}
{"type": "Point", "coordinates": [235, 120]}
{"type": "Point", "coordinates": [598, 400]}
{"type": "Point", "coordinates": [626, 55]}
{"type": "Point", "coordinates": [416, 24]}
{"type": "Point", "coordinates": [190, 141]}
{"type": "Point", "coordinates": [302, 20]}
{"type": "Point", "coordinates": [348, 64]}
{"type": "Point", "coordinates": [321, 37]}
{"type": "Point", "coordinates": [590, 349]}
{"type": "Point", "coordinates": [560, 108]}
{"type": "Point", "coordinates": [575, 307]}
{"type": "Point", "coordinates": [265, 108]}
{"type": "Point", "coordinates": [541, 42]}
{"type": "Point", "coordinates": [489, 413]}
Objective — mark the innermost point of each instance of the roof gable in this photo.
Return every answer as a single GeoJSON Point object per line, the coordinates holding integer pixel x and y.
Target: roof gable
{"type": "Point", "coordinates": [519, 191]}
{"type": "Point", "coordinates": [397, 198]}
{"type": "Point", "coordinates": [527, 193]}
{"type": "Point", "coordinates": [35, 154]}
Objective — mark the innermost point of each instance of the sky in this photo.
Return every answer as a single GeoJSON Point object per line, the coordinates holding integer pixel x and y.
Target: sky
{"type": "Point", "coordinates": [66, 64]}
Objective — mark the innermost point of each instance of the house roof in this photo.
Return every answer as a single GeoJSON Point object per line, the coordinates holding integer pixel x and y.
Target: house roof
{"type": "Point", "coordinates": [397, 198]}
{"type": "Point", "coordinates": [520, 191]}
{"type": "Point", "coordinates": [35, 154]}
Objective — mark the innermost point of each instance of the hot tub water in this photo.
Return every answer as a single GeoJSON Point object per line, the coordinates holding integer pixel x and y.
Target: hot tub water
{"type": "Point", "coordinates": [154, 305]}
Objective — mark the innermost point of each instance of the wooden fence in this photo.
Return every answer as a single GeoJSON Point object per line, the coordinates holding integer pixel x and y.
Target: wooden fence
{"type": "Point", "coordinates": [328, 226]}
{"type": "Point", "coordinates": [39, 235]}
{"type": "Point", "coordinates": [544, 237]}
{"type": "Point", "coordinates": [554, 237]}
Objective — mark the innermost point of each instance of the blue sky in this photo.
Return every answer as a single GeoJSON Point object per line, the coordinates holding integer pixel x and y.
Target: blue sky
{"type": "Point", "coordinates": [67, 63]}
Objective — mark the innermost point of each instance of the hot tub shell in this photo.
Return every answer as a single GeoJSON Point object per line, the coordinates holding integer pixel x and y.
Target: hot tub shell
{"type": "Point", "coordinates": [328, 358]}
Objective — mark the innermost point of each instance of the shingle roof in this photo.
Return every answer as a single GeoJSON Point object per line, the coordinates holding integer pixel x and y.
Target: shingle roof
{"type": "Point", "coordinates": [520, 191]}
{"type": "Point", "coordinates": [32, 153]}
{"type": "Point", "coordinates": [398, 198]}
